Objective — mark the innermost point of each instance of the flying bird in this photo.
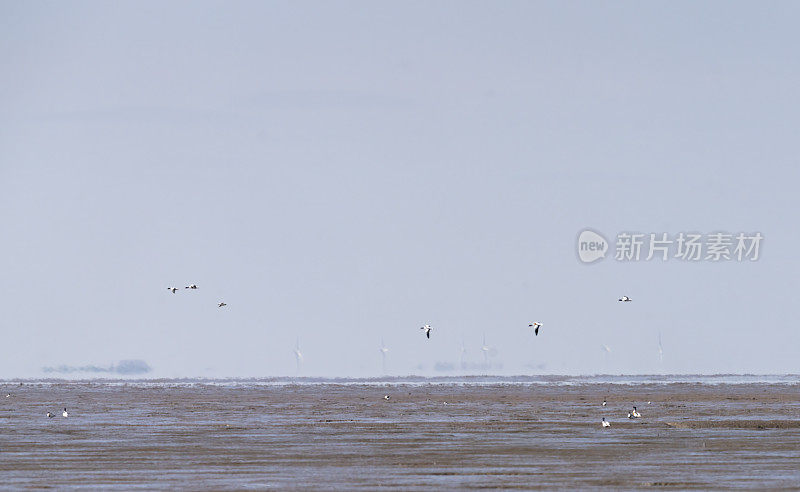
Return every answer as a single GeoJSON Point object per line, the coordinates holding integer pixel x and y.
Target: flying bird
{"type": "Point", "coordinates": [624, 299]}
{"type": "Point", "coordinates": [535, 325]}
{"type": "Point", "coordinates": [606, 423]}
{"type": "Point", "coordinates": [221, 304]}
{"type": "Point", "coordinates": [427, 329]}
{"type": "Point", "coordinates": [191, 286]}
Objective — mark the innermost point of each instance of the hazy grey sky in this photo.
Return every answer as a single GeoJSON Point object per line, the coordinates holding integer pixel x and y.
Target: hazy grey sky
{"type": "Point", "coordinates": [346, 171]}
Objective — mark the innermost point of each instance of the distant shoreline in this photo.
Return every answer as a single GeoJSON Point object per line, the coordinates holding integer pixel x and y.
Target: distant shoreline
{"type": "Point", "coordinates": [558, 380]}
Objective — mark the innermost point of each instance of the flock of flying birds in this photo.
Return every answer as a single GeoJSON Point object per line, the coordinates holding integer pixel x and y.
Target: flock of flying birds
{"type": "Point", "coordinates": [535, 325]}
{"type": "Point", "coordinates": [193, 286]}
{"type": "Point", "coordinates": [426, 328]}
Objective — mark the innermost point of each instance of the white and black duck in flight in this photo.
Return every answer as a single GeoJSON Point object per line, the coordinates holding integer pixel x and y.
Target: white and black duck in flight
{"type": "Point", "coordinates": [535, 325]}
{"type": "Point", "coordinates": [427, 329]}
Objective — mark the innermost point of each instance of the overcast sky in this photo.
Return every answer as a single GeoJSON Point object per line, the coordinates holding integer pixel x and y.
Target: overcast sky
{"type": "Point", "coordinates": [344, 172]}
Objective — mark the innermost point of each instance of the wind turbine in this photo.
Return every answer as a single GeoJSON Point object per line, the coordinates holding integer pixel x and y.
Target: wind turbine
{"type": "Point", "coordinates": [298, 355]}
{"type": "Point", "coordinates": [485, 348]}
{"type": "Point", "coordinates": [463, 351]}
{"type": "Point", "coordinates": [660, 349]}
{"type": "Point", "coordinates": [606, 351]}
{"type": "Point", "coordinates": [383, 350]}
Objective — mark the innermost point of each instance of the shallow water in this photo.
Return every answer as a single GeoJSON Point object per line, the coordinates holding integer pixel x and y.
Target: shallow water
{"type": "Point", "coordinates": [456, 434]}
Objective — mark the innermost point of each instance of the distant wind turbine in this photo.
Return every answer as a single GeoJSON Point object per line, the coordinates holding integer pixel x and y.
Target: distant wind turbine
{"type": "Point", "coordinates": [383, 350]}
{"type": "Point", "coordinates": [298, 355]}
{"type": "Point", "coordinates": [463, 351]}
{"type": "Point", "coordinates": [606, 350]}
{"type": "Point", "coordinates": [485, 348]}
{"type": "Point", "coordinates": [660, 349]}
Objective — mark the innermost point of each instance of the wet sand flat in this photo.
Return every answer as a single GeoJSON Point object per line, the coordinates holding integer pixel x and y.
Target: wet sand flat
{"type": "Point", "coordinates": [426, 436]}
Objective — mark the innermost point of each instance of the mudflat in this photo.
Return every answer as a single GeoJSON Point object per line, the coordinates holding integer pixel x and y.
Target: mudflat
{"type": "Point", "coordinates": [346, 436]}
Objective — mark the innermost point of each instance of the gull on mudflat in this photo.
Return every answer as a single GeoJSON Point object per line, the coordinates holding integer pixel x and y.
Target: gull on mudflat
{"type": "Point", "coordinates": [604, 402]}
{"type": "Point", "coordinates": [427, 329]}
{"type": "Point", "coordinates": [64, 413]}
{"type": "Point", "coordinates": [624, 299]}
{"type": "Point", "coordinates": [50, 415]}
{"type": "Point", "coordinates": [535, 325]}
{"type": "Point", "coordinates": [386, 397]}
{"type": "Point", "coordinates": [606, 423]}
